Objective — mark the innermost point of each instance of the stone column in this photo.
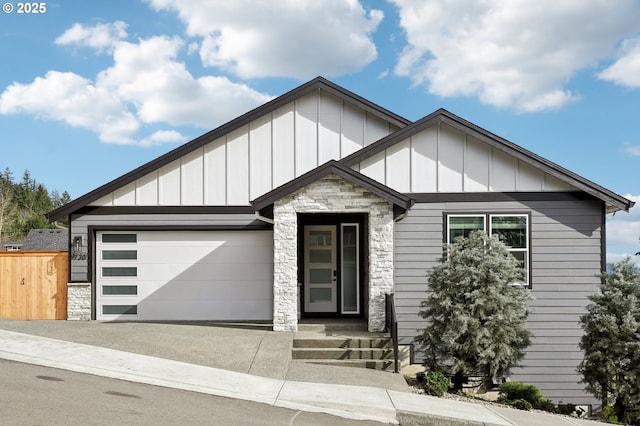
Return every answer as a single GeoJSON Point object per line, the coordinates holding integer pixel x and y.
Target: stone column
{"type": "Point", "coordinates": [285, 268]}
{"type": "Point", "coordinates": [79, 301]}
{"type": "Point", "coordinates": [380, 262]}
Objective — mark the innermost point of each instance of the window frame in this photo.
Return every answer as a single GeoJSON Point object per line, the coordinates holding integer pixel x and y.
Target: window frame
{"type": "Point", "coordinates": [487, 216]}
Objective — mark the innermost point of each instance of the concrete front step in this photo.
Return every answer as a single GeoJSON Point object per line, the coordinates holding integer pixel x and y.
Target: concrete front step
{"type": "Point", "coordinates": [355, 326]}
{"type": "Point", "coordinates": [341, 353]}
{"type": "Point", "coordinates": [344, 342]}
{"type": "Point", "coordinates": [378, 364]}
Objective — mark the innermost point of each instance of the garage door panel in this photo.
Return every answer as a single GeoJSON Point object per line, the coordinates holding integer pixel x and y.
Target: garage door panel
{"type": "Point", "coordinates": [199, 290]}
{"type": "Point", "coordinates": [204, 272]}
{"type": "Point", "coordinates": [204, 238]}
{"type": "Point", "coordinates": [187, 275]}
{"type": "Point", "coordinates": [224, 310]}
{"type": "Point", "coordinates": [222, 254]}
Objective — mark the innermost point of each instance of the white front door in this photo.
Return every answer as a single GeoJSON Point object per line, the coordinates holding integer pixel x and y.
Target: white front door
{"type": "Point", "coordinates": [320, 272]}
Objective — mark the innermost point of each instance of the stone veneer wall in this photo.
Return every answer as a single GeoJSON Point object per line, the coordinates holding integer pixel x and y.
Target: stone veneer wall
{"type": "Point", "coordinates": [79, 301]}
{"type": "Point", "coordinates": [331, 194]}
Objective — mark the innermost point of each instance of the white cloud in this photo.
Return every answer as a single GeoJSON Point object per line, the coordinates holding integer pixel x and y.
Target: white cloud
{"type": "Point", "coordinates": [100, 37]}
{"type": "Point", "coordinates": [163, 136]}
{"type": "Point", "coordinates": [68, 97]}
{"type": "Point", "coordinates": [623, 233]}
{"type": "Point", "coordinates": [633, 149]}
{"type": "Point", "coordinates": [299, 39]}
{"type": "Point", "coordinates": [146, 84]}
{"type": "Point", "coordinates": [626, 70]}
{"type": "Point", "coordinates": [511, 54]}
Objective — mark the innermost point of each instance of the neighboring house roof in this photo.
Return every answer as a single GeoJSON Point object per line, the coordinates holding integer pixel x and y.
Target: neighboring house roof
{"type": "Point", "coordinates": [334, 167]}
{"type": "Point", "coordinates": [47, 240]}
{"type": "Point", "coordinates": [12, 245]}
{"type": "Point", "coordinates": [313, 85]}
{"type": "Point", "coordinates": [613, 201]}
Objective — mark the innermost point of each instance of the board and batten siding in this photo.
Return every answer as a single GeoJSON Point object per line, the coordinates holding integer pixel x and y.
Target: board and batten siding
{"type": "Point", "coordinates": [565, 266]}
{"type": "Point", "coordinates": [80, 227]}
{"type": "Point", "coordinates": [442, 159]}
{"type": "Point", "coordinates": [256, 158]}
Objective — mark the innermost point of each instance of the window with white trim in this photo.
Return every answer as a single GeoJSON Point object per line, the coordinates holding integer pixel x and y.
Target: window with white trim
{"type": "Point", "coordinates": [512, 229]}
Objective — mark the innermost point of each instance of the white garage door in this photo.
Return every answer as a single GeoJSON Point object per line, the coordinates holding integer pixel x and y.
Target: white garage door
{"type": "Point", "coordinates": [184, 275]}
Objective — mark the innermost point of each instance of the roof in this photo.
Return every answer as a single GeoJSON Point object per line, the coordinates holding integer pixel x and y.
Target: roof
{"type": "Point", "coordinates": [613, 201]}
{"type": "Point", "coordinates": [319, 83]}
{"type": "Point", "coordinates": [47, 240]}
{"type": "Point", "coordinates": [336, 168]}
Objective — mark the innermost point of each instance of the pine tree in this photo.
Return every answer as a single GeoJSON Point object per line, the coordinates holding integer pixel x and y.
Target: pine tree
{"type": "Point", "coordinates": [611, 340]}
{"type": "Point", "coordinates": [23, 206]}
{"type": "Point", "coordinates": [476, 318]}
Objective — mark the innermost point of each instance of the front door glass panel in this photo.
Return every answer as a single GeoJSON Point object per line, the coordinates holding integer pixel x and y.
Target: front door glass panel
{"type": "Point", "coordinates": [349, 267]}
{"type": "Point", "coordinates": [320, 286]}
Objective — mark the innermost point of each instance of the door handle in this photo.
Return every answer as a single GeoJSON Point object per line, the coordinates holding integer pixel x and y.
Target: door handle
{"type": "Point", "coordinates": [335, 275]}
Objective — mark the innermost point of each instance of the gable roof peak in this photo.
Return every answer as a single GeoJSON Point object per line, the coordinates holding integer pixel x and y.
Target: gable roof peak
{"type": "Point", "coordinates": [318, 83]}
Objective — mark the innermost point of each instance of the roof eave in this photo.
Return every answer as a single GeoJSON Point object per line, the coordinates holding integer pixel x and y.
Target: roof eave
{"type": "Point", "coordinates": [333, 167]}
{"type": "Point", "coordinates": [613, 201]}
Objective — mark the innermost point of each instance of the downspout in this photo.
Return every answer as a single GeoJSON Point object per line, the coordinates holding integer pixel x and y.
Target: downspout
{"type": "Point", "coordinates": [402, 216]}
{"type": "Point", "coordinates": [263, 218]}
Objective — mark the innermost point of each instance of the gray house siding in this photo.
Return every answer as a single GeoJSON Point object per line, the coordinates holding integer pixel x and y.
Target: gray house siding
{"type": "Point", "coordinates": [81, 225]}
{"type": "Point", "coordinates": [566, 259]}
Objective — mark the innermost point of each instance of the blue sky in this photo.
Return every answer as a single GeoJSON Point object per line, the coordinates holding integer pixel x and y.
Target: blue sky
{"type": "Point", "coordinates": [90, 90]}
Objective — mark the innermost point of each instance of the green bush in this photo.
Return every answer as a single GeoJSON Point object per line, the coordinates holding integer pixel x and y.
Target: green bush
{"type": "Point", "coordinates": [435, 384]}
{"type": "Point", "coordinates": [512, 391]}
{"type": "Point", "coordinates": [521, 404]}
{"type": "Point", "coordinates": [567, 409]}
{"type": "Point", "coordinates": [548, 405]}
{"type": "Point", "coordinates": [608, 414]}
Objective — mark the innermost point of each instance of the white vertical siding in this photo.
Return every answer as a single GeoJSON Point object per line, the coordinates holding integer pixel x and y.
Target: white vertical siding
{"type": "Point", "coordinates": [399, 158]}
{"type": "Point", "coordinates": [306, 128]}
{"type": "Point", "coordinates": [450, 160]}
{"type": "Point", "coordinates": [329, 128]}
{"type": "Point", "coordinates": [318, 127]}
{"type": "Point", "coordinates": [125, 196]}
{"type": "Point", "coordinates": [424, 159]}
{"type": "Point", "coordinates": [503, 172]}
{"type": "Point", "coordinates": [529, 179]}
{"type": "Point", "coordinates": [215, 173]}
{"type": "Point", "coordinates": [374, 167]}
{"type": "Point", "coordinates": [444, 159]}
{"type": "Point", "coordinates": [353, 128]}
{"type": "Point", "coordinates": [147, 190]}
{"type": "Point", "coordinates": [268, 152]}
{"type": "Point", "coordinates": [375, 130]}
{"type": "Point", "coordinates": [284, 165]}
{"type": "Point", "coordinates": [261, 161]}
{"type": "Point", "coordinates": [238, 167]}
{"type": "Point", "coordinates": [169, 184]}
{"type": "Point", "coordinates": [191, 183]}
{"type": "Point", "coordinates": [476, 166]}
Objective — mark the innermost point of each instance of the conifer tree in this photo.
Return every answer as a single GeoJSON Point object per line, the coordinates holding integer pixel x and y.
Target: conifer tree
{"type": "Point", "coordinates": [475, 316]}
{"type": "Point", "coordinates": [611, 340]}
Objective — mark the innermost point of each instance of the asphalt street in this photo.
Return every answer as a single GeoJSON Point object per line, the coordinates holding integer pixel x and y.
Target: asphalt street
{"type": "Point", "coordinates": [34, 395]}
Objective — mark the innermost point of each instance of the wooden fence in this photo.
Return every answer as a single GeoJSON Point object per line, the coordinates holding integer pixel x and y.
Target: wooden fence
{"type": "Point", "coordinates": [33, 284]}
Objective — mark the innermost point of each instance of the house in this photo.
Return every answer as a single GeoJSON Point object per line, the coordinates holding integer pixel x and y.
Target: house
{"type": "Point", "coordinates": [319, 203]}
{"type": "Point", "coordinates": [12, 245]}
{"type": "Point", "coordinates": [46, 240]}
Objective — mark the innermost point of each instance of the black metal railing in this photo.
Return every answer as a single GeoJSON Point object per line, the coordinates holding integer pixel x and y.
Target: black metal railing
{"type": "Point", "coordinates": [391, 324]}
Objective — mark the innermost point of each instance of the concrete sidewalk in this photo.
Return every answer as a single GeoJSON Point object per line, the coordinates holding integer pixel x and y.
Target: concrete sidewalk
{"type": "Point", "coordinates": [347, 400]}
